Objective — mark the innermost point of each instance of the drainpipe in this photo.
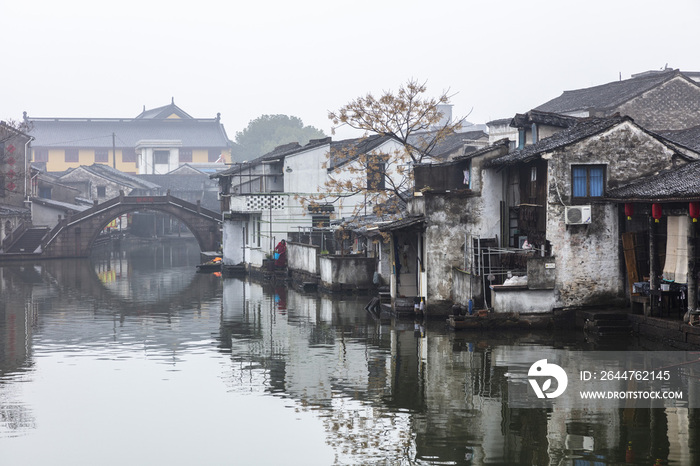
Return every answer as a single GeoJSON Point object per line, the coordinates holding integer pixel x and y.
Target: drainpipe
{"type": "Point", "coordinates": [692, 280]}
{"type": "Point", "coordinates": [26, 164]}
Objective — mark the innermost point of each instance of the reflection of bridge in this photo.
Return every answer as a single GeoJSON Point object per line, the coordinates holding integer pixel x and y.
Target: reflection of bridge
{"type": "Point", "coordinates": [74, 236]}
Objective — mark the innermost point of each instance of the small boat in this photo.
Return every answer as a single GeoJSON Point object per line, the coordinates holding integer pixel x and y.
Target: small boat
{"type": "Point", "coordinates": [213, 265]}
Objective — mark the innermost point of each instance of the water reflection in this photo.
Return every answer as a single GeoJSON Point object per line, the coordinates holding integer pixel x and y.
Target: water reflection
{"type": "Point", "coordinates": [135, 345]}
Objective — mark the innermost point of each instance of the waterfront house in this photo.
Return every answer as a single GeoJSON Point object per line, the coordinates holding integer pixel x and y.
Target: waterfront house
{"type": "Point", "coordinates": [555, 199]}
{"type": "Point", "coordinates": [283, 194]}
{"type": "Point", "coordinates": [100, 182]}
{"type": "Point", "coordinates": [156, 141]}
{"type": "Point", "coordinates": [529, 230]}
{"type": "Point", "coordinates": [14, 179]}
{"type": "Point", "coordinates": [452, 206]}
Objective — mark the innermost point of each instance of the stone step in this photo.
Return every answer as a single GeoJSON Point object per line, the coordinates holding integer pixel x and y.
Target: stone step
{"type": "Point", "coordinates": [607, 316]}
{"type": "Point", "coordinates": [612, 330]}
{"type": "Point", "coordinates": [611, 323]}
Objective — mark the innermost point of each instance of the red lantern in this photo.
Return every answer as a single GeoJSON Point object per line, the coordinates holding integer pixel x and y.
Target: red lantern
{"type": "Point", "coordinates": [629, 210]}
{"type": "Point", "coordinates": [656, 212]}
{"type": "Point", "coordinates": [694, 210]}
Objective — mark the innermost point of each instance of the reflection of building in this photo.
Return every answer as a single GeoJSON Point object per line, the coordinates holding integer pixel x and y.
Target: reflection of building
{"type": "Point", "coordinates": [156, 141]}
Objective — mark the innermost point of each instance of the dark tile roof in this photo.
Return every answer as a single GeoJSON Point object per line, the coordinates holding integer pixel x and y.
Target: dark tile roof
{"type": "Point", "coordinates": [676, 184]}
{"type": "Point", "coordinates": [451, 142]}
{"type": "Point", "coordinates": [150, 125]}
{"type": "Point", "coordinates": [403, 223]}
{"type": "Point", "coordinates": [66, 206]}
{"type": "Point", "coordinates": [9, 210]}
{"type": "Point", "coordinates": [279, 152]}
{"type": "Point", "coordinates": [175, 182]}
{"type": "Point", "coordinates": [544, 118]}
{"type": "Point", "coordinates": [501, 144]}
{"type": "Point", "coordinates": [689, 137]}
{"type": "Point", "coordinates": [581, 130]}
{"type": "Point", "coordinates": [606, 96]}
{"type": "Point", "coordinates": [347, 150]}
{"type": "Point", "coordinates": [114, 175]}
{"type": "Point", "coordinates": [500, 121]}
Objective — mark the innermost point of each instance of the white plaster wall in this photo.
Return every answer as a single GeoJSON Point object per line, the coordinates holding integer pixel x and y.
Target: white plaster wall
{"type": "Point", "coordinates": [587, 256]}
{"type": "Point", "coordinates": [303, 257]}
{"type": "Point", "coordinates": [356, 271]}
{"type": "Point", "coordinates": [522, 301]}
{"type": "Point", "coordinates": [497, 132]}
{"type": "Point", "coordinates": [232, 238]}
{"type": "Point", "coordinates": [307, 173]}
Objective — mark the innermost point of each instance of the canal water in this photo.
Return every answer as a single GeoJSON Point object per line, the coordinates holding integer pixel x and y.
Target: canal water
{"type": "Point", "coordinates": [133, 358]}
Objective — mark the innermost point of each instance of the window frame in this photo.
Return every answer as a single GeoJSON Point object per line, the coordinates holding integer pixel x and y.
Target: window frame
{"type": "Point", "coordinates": [102, 155]}
{"type": "Point", "coordinates": [376, 176]}
{"type": "Point", "coordinates": [162, 153]}
{"type": "Point", "coordinates": [588, 168]}
{"type": "Point", "coordinates": [185, 156]}
{"type": "Point", "coordinates": [71, 155]}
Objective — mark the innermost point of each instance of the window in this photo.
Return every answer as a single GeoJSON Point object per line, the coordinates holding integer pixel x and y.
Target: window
{"type": "Point", "coordinates": [375, 176]}
{"type": "Point", "coordinates": [72, 155]}
{"type": "Point", "coordinates": [588, 180]}
{"type": "Point", "coordinates": [214, 155]}
{"type": "Point", "coordinates": [259, 229]}
{"type": "Point", "coordinates": [45, 192]}
{"type": "Point", "coordinates": [534, 133]}
{"type": "Point", "coordinates": [185, 155]}
{"type": "Point", "coordinates": [533, 182]}
{"type": "Point", "coordinates": [101, 155]}
{"type": "Point", "coordinates": [128, 156]}
{"type": "Point", "coordinates": [41, 155]}
{"type": "Point", "coordinates": [101, 191]}
{"type": "Point", "coordinates": [521, 138]}
{"type": "Point", "coordinates": [320, 221]}
{"type": "Point", "coordinates": [161, 157]}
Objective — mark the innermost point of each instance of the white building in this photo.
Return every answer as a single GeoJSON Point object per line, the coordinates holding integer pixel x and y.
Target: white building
{"type": "Point", "coordinates": [266, 199]}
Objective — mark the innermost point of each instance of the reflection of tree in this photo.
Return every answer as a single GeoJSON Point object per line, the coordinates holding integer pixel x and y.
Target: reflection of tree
{"type": "Point", "coordinates": [335, 367]}
{"type": "Point", "coordinates": [15, 417]}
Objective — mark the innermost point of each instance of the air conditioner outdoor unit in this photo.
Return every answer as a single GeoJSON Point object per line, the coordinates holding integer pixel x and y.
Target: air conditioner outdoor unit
{"type": "Point", "coordinates": [578, 215]}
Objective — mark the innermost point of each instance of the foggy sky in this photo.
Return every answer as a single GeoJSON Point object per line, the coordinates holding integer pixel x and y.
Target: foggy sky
{"type": "Point", "coordinates": [81, 58]}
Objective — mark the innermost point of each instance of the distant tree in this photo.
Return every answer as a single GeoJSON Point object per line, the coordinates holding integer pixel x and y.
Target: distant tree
{"type": "Point", "coordinates": [266, 132]}
{"type": "Point", "coordinates": [415, 122]}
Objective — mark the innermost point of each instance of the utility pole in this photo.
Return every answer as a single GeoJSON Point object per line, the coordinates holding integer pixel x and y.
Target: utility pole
{"type": "Point", "coordinates": [114, 152]}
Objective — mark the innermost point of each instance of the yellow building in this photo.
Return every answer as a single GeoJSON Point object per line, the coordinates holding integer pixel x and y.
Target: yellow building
{"type": "Point", "coordinates": [155, 142]}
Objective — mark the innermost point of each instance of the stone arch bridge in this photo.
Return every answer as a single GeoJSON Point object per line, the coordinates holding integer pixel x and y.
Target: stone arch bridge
{"type": "Point", "coordinates": [74, 236]}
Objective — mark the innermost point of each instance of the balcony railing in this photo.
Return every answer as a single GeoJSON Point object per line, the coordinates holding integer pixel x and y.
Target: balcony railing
{"type": "Point", "coordinates": [259, 202]}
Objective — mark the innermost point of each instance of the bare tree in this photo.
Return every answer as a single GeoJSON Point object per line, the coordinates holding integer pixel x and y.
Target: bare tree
{"type": "Point", "coordinates": [365, 167]}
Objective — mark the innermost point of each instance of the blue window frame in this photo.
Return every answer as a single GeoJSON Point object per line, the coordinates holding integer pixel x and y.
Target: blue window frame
{"type": "Point", "coordinates": [588, 180]}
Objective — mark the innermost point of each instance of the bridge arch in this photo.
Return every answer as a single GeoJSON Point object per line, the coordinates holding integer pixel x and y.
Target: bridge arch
{"type": "Point", "coordinates": [75, 236]}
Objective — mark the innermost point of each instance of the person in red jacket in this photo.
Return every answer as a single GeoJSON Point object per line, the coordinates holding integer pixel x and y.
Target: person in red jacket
{"type": "Point", "coordinates": [281, 256]}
